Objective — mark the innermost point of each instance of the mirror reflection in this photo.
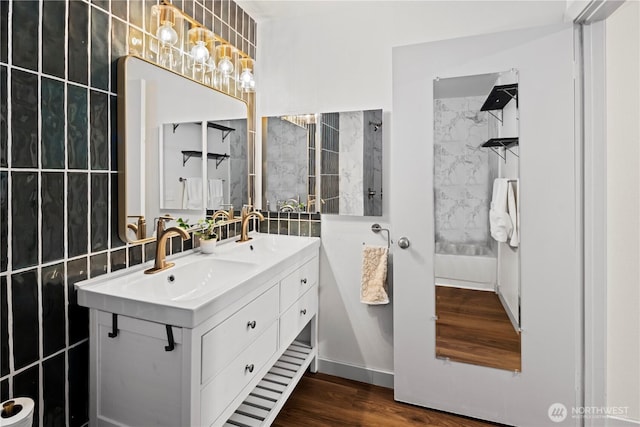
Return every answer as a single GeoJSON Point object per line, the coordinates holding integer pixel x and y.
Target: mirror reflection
{"type": "Point", "coordinates": [226, 167]}
{"type": "Point", "coordinates": [477, 221]}
{"type": "Point", "coordinates": [323, 162]}
{"type": "Point", "coordinates": [182, 148]}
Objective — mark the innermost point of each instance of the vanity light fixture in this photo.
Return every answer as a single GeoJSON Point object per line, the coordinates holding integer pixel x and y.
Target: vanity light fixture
{"type": "Point", "coordinates": [208, 58]}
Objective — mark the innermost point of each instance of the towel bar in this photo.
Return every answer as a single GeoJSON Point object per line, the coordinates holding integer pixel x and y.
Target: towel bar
{"type": "Point", "coordinates": [181, 179]}
{"type": "Point", "coordinates": [376, 228]}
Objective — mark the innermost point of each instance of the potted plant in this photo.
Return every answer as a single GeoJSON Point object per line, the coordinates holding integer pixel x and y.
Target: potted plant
{"type": "Point", "coordinates": [205, 230]}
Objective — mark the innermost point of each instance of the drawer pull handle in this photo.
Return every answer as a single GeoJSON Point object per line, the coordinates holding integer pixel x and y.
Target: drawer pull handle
{"type": "Point", "coordinates": [303, 281]}
{"type": "Point", "coordinates": [303, 311]}
{"type": "Point", "coordinates": [248, 368]}
{"type": "Point", "coordinates": [251, 324]}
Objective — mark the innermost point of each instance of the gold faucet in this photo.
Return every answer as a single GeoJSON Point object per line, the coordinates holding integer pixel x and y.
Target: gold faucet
{"type": "Point", "coordinates": [228, 215]}
{"type": "Point", "coordinates": [247, 214]}
{"type": "Point", "coordinates": [162, 236]}
{"type": "Point", "coordinates": [140, 228]}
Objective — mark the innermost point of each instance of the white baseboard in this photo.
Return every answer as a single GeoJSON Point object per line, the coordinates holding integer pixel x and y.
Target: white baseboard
{"type": "Point", "coordinates": [622, 422]}
{"type": "Point", "coordinates": [356, 373]}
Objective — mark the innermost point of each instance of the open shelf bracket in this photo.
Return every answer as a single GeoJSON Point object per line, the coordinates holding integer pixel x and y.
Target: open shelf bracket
{"type": "Point", "coordinates": [219, 158]}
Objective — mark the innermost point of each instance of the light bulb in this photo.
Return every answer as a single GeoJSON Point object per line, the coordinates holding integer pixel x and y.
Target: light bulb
{"type": "Point", "coordinates": [199, 52]}
{"type": "Point", "coordinates": [166, 34]}
{"type": "Point", "coordinates": [225, 66]}
{"type": "Point", "coordinates": [246, 76]}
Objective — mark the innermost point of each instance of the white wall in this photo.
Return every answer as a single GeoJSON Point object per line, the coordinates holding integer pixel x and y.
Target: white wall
{"type": "Point", "coordinates": [339, 59]}
{"type": "Point", "coordinates": [623, 208]}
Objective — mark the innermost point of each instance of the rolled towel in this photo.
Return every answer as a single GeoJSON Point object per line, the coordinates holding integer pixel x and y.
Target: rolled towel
{"type": "Point", "coordinates": [499, 219]}
{"type": "Point", "coordinates": [374, 275]}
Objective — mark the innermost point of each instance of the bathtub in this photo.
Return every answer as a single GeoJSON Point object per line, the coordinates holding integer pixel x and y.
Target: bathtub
{"type": "Point", "coordinates": [466, 271]}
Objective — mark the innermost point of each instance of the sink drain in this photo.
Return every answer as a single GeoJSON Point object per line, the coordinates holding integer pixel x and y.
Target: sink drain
{"type": "Point", "coordinates": [171, 278]}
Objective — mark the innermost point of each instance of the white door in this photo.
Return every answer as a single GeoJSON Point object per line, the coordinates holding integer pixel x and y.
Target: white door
{"type": "Point", "coordinates": [550, 193]}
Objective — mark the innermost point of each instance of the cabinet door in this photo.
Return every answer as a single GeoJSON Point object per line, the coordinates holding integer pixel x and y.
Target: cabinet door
{"type": "Point", "coordinates": [134, 367]}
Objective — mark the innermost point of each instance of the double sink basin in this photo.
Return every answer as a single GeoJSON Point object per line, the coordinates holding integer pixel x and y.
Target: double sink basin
{"type": "Point", "coordinates": [199, 285]}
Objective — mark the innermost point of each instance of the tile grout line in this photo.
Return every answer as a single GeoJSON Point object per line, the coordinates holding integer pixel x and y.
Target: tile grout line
{"type": "Point", "coordinates": [65, 203]}
{"type": "Point", "coordinates": [10, 199]}
{"type": "Point", "coordinates": [39, 189]}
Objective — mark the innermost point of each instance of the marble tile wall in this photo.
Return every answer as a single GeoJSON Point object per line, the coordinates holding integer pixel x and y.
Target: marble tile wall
{"type": "Point", "coordinates": [352, 169]}
{"type": "Point", "coordinates": [286, 162]}
{"type": "Point", "coordinates": [58, 183]}
{"type": "Point", "coordinates": [237, 162]}
{"type": "Point", "coordinates": [462, 177]}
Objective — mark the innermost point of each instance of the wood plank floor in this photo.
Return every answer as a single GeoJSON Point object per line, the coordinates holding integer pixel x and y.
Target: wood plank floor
{"type": "Point", "coordinates": [472, 327]}
{"type": "Point", "coordinates": [324, 400]}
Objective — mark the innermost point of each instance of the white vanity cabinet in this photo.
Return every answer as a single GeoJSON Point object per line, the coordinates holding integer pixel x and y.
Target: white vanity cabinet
{"type": "Point", "coordinates": [209, 376]}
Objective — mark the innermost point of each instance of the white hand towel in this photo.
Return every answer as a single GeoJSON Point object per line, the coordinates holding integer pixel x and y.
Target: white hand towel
{"type": "Point", "coordinates": [514, 213]}
{"type": "Point", "coordinates": [499, 219]}
{"type": "Point", "coordinates": [192, 198]}
{"type": "Point", "coordinates": [374, 275]}
{"type": "Point", "coordinates": [215, 194]}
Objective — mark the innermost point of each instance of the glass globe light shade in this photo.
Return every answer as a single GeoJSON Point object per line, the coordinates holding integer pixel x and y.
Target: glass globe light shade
{"type": "Point", "coordinates": [199, 52]}
{"type": "Point", "coordinates": [166, 34]}
{"type": "Point", "coordinates": [225, 66]}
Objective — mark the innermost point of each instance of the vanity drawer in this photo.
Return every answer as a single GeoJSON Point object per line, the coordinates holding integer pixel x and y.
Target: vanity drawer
{"type": "Point", "coordinates": [297, 283]}
{"type": "Point", "coordinates": [297, 316]}
{"type": "Point", "coordinates": [220, 392]}
{"type": "Point", "coordinates": [221, 344]}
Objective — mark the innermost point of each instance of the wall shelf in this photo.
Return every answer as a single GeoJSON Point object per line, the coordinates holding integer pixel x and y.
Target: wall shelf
{"type": "Point", "coordinates": [219, 158]}
{"type": "Point", "coordinates": [500, 96]}
{"type": "Point", "coordinates": [507, 143]}
{"type": "Point", "coordinates": [501, 142]}
{"type": "Point", "coordinates": [225, 129]}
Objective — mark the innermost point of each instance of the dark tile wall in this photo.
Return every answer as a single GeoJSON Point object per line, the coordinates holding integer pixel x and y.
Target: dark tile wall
{"type": "Point", "coordinates": [329, 157]}
{"type": "Point", "coordinates": [58, 183]}
{"type": "Point", "coordinates": [291, 223]}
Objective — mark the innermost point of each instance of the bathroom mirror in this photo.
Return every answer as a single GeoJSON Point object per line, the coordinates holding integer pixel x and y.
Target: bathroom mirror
{"type": "Point", "coordinates": [170, 127]}
{"type": "Point", "coordinates": [477, 221]}
{"type": "Point", "coordinates": [181, 172]}
{"type": "Point", "coordinates": [323, 162]}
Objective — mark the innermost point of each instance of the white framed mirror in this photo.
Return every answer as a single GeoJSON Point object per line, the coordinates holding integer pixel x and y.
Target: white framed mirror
{"type": "Point", "coordinates": [476, 177]}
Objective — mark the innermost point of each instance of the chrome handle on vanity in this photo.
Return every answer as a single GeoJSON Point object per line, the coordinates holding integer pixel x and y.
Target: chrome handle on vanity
{"type": "Point", "coordinates": [404, 243]}
{"type": "Point", "coordinates": [303, 281]}
{"type": "Point", "coordinates": [248, 368]}
{"type": "Point", "coordinates": [303, 311]}
{"type": "Point", "coordinates": [251, 324]}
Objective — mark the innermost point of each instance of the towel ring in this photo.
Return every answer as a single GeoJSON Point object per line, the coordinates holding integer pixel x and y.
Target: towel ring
{"type": "Point", "coordinates": [376, 228]}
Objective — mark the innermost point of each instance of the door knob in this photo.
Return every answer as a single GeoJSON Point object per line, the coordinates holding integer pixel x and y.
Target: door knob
{"type": "Point", "coordinates": [404, 243]}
